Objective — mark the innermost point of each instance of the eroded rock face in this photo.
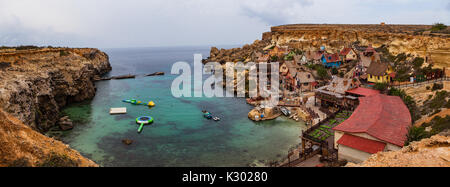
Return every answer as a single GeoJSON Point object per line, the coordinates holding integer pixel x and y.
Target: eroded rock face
{"type": "Point", "coordinates": [36, 84]}
{"type": "Point", "coordinates": [245, 53]}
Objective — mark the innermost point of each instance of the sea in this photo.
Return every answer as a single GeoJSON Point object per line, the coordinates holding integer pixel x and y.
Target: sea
{"type": "Point", "coordinates": [180, 136]}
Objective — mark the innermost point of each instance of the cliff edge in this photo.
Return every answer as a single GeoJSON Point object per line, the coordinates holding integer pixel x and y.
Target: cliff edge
{"type": "Point", "coordinates": [20, 146]}
{"type": "Point", "coordinates": [36, 83]}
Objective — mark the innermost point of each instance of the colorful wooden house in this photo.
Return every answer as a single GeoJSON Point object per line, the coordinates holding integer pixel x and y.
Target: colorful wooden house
{"type": "Point", "coordinates": [348, 54]}
{"type": "Point", "coordinates": [380, 72]}
{"type": "Point", "coordinates": [331, 60]}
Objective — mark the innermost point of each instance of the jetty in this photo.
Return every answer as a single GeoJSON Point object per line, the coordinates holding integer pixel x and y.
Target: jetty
{"type": "Point", "coordinates": [119, 77]}
{"type": "Point", "coordinates": [155, 74]}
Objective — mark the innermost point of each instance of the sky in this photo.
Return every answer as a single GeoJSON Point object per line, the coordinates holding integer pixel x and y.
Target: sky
{"type": "Point", "coordinates": [152, 23]}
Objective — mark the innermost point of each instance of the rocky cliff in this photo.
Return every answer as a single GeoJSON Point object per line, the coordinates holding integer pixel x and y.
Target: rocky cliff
{"type": "Point", "coordinates": [36, 83]}
{"type": "Point", "coordinates": [431, 152]}
{"type": "Point", "coordinates": [410, 39]}
{"type": "Point", "coordinates": [20, 146]}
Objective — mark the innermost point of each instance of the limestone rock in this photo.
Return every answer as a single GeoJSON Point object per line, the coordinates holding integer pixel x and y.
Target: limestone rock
{"type": "Point", "coordinates": [39, 82]}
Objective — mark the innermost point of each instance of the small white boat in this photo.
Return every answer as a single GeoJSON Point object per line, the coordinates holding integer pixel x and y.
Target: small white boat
{"type": "Point", "coordinates": [216, 119]}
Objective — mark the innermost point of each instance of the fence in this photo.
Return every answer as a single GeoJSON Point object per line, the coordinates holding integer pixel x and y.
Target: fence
{"type": "Point", "coordinates": [421, 83]}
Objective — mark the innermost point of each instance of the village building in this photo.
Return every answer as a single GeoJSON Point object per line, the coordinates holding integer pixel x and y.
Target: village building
{"type": "Point", "coordinates": [284, 69]}
{"type": "Point", "coordinates": [290, 82]}
{"type": "Point", "coordinates": [279, 51]}
{"type": "Point", "coordinates": [348, 54]}
{"type": "Point", "coordinates": [379, 123]}
{"type": "Point", "coordinates": [331, 60]}
{"type": "Point", "coordinates": [367, 56]}
{"type": "Point", "coordinates": [305, 81]}
{"type": "Point", "coordinates": [370, 51]}
{"type": "Point", "coordinates": [263, 58]}
{"type": "Point", "coordinates": [300, 59]}
{"type": "Point", "coordinates": [314, 56]}
{"type": "Point", "coordinates": [380, 72]}
{"type": "Point", "coordinates": [334, 94]}
{"type": "Point", "coordinates": [297, 78]}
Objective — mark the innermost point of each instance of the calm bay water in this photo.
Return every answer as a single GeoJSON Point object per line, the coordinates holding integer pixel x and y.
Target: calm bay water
{"type": "Point", "coordinates": [180, 136]}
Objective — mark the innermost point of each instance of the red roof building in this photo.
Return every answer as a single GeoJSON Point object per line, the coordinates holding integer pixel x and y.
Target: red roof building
{"type": "Point", "coordinates": [363, 92]}
{"type": "Point", "coordinates": [345, 51]}
{"type": "Point", "coordinates": [378, 118]}
{"type": "Point", "coordinates": [370, 49]}
{"type": "Point", "coordinates": [384, 117]}
{"type": "Point", "coordinates": [363, 144]}
{"type": "Point", "coordinates": [348, 54]}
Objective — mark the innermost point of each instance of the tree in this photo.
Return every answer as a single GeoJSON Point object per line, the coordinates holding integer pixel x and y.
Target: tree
{"type": "Point", "coordinates": [274, 58]}
{"type": "Point", "coordinates": [381, 86]}
{"type": "Point", "coordinates": [334, 71]}
{"type": "Point", "coordinates": [416, 134]}
{"type": "Point", "coordinates": [322, 72]}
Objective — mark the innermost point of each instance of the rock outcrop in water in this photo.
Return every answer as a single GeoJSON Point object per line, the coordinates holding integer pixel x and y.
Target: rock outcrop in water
{"type": "Point", "coordinates": [409, 39]}
{"type": "Point", "coordinates": [36, 83]}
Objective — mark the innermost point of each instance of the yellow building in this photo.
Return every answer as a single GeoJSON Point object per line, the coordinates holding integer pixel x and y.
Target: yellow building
{"type": "Point", "coordinates": [379, 72]}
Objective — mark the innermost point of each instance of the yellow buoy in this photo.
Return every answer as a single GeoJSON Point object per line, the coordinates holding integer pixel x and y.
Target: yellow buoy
{"type": "Point", "coordinates": [151, 104]}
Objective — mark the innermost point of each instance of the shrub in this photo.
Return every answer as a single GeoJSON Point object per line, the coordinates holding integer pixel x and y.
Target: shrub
{"type": "Point", "coordinates": [63, 53]}
{"type": "Point", "coordinates": [418, 62]}
{"type": "Point", "coordinates": [58, 160]}
{"type": "Point", "coordinates": [416, 134]}
{"type": "Point", "coordinates": [438, 27]}
{"type": "Point", "coordinates": [400, 57]}
{"type": "Point", "coordinates": [437, 87]}
{"type": "Point", "coordinates": [20, 162]}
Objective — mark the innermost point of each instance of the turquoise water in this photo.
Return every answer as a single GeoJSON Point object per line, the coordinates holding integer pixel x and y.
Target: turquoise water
{"type": "Point", "coordinates": [180, 136]}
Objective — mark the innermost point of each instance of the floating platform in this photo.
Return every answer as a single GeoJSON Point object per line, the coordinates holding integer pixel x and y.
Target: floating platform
{"type": "Point", "coordinates": [114, 111]}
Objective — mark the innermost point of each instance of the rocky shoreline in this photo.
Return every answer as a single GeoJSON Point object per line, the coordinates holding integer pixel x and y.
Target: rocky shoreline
{"type": "Point", "coordinates": [36, 84]}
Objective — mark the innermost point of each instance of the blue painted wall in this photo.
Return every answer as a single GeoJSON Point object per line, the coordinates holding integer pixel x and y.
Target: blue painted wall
{"type": "Point", "coordinates": [330, 65]}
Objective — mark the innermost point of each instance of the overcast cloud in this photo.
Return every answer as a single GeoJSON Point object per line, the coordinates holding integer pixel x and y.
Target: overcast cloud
{"type": "Point", "coordinates": [139, 23]}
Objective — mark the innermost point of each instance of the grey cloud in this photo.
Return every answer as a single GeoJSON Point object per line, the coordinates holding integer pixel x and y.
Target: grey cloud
{"type": "Point", "coordinates": [275, 11]}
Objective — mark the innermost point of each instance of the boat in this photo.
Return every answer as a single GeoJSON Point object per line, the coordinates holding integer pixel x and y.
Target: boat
{"type": "Point", "coordinates": [285, 111]}
{"type": "Point", "coordinates": [216, 119]}
{"type": "Point", "coordinates": [207, 115]}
